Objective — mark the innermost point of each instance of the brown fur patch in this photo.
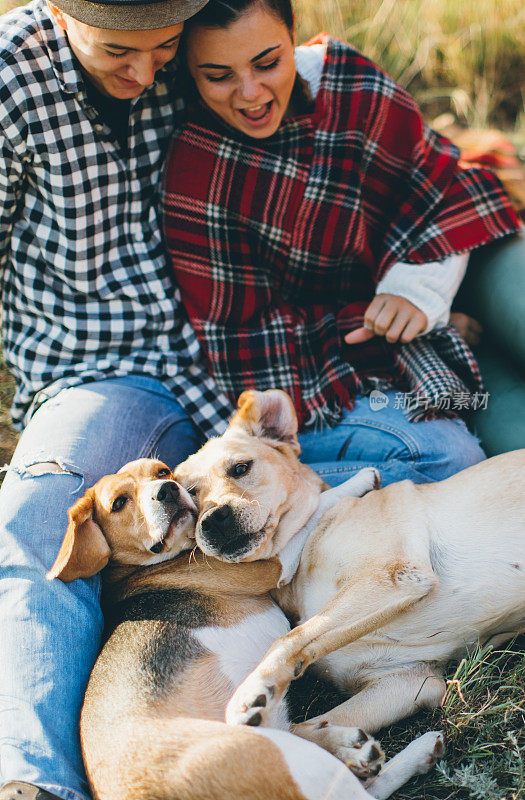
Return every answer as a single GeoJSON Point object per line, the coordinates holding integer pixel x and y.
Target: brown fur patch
{"type": "Point", "coordinates": [234, 589]}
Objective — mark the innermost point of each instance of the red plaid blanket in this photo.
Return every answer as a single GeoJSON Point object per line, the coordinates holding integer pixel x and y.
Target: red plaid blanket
{"type": "Point", "coordinates": [278, 244]}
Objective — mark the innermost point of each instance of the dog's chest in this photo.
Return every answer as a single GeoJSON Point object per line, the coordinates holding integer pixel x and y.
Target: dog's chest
{"type": "Point", "coordinates": [241, 646]}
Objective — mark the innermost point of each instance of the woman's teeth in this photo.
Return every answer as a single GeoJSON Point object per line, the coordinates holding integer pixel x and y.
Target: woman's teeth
{"type": "Point", "coordinates": [257, 112]}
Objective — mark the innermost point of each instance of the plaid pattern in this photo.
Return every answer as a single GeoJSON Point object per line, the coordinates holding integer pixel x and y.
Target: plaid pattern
{"type": "Point", "coordinates": [278, 244]}
{"type": "Point", "coordinates": [86, 289]}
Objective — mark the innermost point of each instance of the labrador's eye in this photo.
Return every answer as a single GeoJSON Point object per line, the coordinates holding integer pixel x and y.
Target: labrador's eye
{"type": "Point", "coordinates": [164, 473]}
{"type": "Point", "coordinates": [119, 503]}
{"type": "Point", "coordinates": [240, 469]}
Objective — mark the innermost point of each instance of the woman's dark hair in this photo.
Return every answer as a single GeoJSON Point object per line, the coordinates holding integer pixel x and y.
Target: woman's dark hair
{"type": "Point", "coordinates": [222, 13]}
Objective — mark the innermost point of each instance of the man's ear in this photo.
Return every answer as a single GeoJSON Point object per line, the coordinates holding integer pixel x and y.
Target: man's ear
{"type": "Point", "coordinates": [268, 415]}
{"type": "Point", "coordinates": [84, 550]}
{"type": "Point", "coordinates": [58, 16]}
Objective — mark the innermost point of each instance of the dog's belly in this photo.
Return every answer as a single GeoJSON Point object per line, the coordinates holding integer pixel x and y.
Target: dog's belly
{"type": "Point", "coordinates": [392, 649]}
{"type": "Point", "coordinates": [474, 602]}
{"type": "Point", "coordinates": [240, 647]}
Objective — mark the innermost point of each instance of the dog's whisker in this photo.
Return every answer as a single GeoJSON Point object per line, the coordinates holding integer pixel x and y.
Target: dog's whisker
{"type": "Point", "coordinates": [256, 502]}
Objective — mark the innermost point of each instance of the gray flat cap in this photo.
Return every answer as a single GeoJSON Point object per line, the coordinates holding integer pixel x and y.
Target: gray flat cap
{"type": "Point", "coordinates": [130, 15]}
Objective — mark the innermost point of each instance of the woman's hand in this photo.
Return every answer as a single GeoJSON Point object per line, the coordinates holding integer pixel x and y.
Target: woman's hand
{"type": "Point", "coordinates": [391, 316]}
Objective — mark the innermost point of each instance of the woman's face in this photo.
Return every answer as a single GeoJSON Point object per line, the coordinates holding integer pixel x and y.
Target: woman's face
{"type": "Point", "coordinates": [246, 72]}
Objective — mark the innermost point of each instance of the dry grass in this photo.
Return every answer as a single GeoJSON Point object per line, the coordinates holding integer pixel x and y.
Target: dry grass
{"type": "Point", "coordinates": [483, 718]}
{"type": "Point", "coordinates": [464, 56]}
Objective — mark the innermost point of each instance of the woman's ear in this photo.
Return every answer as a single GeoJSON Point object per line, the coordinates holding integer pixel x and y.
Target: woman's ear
{"type": "Point", "coordinates": [84, 550]}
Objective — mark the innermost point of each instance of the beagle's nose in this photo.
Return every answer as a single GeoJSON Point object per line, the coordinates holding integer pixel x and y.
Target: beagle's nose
{"type": "Point", "coordinates": [168, 493]}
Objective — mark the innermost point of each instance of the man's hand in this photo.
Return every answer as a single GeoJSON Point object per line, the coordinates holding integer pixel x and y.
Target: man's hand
{"type": "Point", "coordinates": [391, 316]}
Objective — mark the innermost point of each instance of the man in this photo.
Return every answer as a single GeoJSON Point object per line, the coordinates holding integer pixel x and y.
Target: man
{"type": "Point", "coordinates": [107, 368]}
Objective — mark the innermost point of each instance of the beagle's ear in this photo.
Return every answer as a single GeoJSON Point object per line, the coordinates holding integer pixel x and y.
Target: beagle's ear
{"type": "Point", "coordinates": [268, 415]}
{"type": "Point", "coordinates": [84, 550]}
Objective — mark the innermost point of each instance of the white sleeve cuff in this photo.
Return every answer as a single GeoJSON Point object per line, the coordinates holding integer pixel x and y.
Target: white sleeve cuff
{"type": "Point", "coordinates": [309, 60]}
{"type": "Point", "coordinates": [431, 287]}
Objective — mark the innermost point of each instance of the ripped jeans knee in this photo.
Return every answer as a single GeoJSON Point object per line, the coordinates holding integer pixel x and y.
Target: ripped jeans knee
{"type": "Point", "coordinates": [39, 467]}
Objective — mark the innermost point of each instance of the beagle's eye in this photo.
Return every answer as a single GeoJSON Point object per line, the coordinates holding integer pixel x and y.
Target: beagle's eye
{"type": "Point", "coordinates": [164, 473]}
{"type": "Point", "coordinates": [119, 503]}
{"type": "Point", "coordinates": [240, 469]}
{"type": "Point", "coordinates": [193, 490]}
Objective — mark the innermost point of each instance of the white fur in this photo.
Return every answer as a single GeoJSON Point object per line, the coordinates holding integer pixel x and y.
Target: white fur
{"type": "Point", "coordinates": [319, 775]}
{"type": "Point", "coordinates": [241, 647]}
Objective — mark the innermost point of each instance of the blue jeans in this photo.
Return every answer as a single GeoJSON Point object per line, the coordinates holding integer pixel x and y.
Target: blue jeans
{"type": "Point", "coordinates": [422, 451]}
{"type": "Point", "coordinates": [51, 631]}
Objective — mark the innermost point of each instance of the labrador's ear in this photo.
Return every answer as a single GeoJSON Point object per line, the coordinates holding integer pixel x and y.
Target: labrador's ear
{"type": "Point", "coordinates": [84, 550]}
{"type": "Point", "coordinates": [268, 415]}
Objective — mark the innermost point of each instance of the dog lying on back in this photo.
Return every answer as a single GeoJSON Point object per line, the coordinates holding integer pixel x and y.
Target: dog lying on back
{"type": "Point", "coordinates": [390, 585]}
{"type": "Point", "coordinates": [184, 631]}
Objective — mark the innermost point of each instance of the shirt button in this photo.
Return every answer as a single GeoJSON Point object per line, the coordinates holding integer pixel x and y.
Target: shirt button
{"type": "Point", "coordinates": [139, 236]}
{"type": "Point", "coordinates": [78, 95]}
{"type": "Point", "coordinates": [98, 127]}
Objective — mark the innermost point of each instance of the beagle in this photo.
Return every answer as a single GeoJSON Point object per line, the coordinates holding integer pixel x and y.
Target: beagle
{"type": "Point", "coordinates": [183, 631]}
{"type": "Point", "coordinates": [389, 586]}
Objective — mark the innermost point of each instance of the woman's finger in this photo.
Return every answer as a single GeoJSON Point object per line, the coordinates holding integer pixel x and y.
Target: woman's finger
{"type": "Point", "coordinates": [374, 309]}
{"type": "Point", "coordinates": [397, 326]}
{"type": "Point", "coordinates": [359, 335]}
{"type": "Point", "coordinates": [385, 318]}
{"type": "Point", "coordinates": [415, 326]}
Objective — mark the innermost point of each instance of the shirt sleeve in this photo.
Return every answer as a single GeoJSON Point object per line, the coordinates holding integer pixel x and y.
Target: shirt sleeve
{"type": "Point", "coordinates": [309, 60]}
{"type": "Point", "coordinates": [431, 287]}
{"type": "Point", "coordinates": [11, 180]}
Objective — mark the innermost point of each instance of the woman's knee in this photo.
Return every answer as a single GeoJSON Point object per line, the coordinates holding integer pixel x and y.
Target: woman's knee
{"type": "Point", "coordinates": [454, 448]}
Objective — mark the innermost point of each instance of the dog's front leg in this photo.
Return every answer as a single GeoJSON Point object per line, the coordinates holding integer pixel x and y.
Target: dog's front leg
{"type": "Point", "coordinates": [353, 612]}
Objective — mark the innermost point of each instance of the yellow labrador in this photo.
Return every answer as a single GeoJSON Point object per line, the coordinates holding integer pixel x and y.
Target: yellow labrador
{"type": "Point", "coordinates": [184, 631]}
{"type": "Point", "coordinates": [389, 586]}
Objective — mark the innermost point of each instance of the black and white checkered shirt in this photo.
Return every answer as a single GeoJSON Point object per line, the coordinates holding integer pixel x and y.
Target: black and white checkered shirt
{"type": "Point", "coordinates": [87, 292]}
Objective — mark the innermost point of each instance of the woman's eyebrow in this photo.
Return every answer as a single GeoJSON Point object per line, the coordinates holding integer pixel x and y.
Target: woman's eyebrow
{"type": "Point", "coordinates": [252, 60]}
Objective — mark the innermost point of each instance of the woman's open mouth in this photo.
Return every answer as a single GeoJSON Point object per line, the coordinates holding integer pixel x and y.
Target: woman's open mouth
{"type": "Point", "coordinates": [257, 115]}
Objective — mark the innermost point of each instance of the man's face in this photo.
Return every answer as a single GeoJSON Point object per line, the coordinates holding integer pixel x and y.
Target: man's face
{"type": "Point", "coordinates": [120, 64]}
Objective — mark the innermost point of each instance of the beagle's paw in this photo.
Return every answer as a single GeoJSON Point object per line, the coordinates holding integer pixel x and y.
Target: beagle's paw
{"type": "Point", "coordinates": [252, 702]}
{"type": "Point", "coordinates": [360, 752]}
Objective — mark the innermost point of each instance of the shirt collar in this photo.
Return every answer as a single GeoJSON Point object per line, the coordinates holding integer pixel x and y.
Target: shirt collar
{"type": "Point", "coordinates": [60, 53]}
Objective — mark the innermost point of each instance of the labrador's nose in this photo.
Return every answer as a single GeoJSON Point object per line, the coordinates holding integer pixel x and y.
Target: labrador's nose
{"type": "Point", "coordinates": [217, 527]}
{"type": "Point", "coordinates": [220, 518]}
{"type": "Point", "coordinates": [168, 493]}
{"type": "Point", "coordinates": [222, 530]}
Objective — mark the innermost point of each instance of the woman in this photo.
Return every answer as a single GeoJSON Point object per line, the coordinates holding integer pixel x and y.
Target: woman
{"type": "Point", "coordinates": [309, 214]}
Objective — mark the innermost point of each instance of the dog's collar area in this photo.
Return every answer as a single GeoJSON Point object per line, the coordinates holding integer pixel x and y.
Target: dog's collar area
{"type": "Point", "coordinates": [291, 553]}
